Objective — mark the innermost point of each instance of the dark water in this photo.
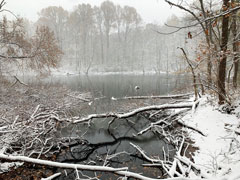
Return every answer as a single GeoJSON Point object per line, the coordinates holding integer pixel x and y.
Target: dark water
{"type": "Point", "coordinates": [103, 141]}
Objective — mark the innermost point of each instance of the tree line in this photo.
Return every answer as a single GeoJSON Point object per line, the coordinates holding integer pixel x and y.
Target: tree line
{"type": "Point", "coordinates": [112, 38]}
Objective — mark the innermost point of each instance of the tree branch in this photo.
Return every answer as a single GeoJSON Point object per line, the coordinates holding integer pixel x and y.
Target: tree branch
{"type": "Point", "coordinates": [134, 112]}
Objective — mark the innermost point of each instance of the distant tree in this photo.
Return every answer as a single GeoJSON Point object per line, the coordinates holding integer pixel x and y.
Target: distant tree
{"type": "Point", "coordinates": [98, 16]}
{"type": "Point", "coordinates": [131, 19]}
{"type": "Point", "coordinates": [109, 19]}
{"type": "Point", "coordinates": [56, 19]}
{"type": "Point", "coordinates": [82, 18]}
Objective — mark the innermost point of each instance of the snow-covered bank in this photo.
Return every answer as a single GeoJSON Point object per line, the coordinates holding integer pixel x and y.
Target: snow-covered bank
{"type": "Point", "coordinates": [219, 151]}
{"type": "Point", "coordinates": [59, 72]}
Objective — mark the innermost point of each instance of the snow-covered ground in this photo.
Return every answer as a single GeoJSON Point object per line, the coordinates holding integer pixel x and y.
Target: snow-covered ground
{"type": "Point", "coordinates": [219, 151]}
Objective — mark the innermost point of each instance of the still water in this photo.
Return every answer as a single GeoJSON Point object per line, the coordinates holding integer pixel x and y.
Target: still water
{"type": "Point", "coordinates": [124, 85]}
{"type": "Point", "coordinates": [103, 141]}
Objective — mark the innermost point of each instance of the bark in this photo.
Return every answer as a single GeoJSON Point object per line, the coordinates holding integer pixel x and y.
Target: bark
{"type": "Point", "coordinates": [222, 64]}
{"type": "Point", "coordinates": [235, 47]}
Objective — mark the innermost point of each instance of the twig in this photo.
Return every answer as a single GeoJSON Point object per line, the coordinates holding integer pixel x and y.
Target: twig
{"type": "Point", "coordinates": [190, 127]}
{"type": "Point", "coordinates": [52, 177]}
{"type": "Point", "coordinates": [18, 81]}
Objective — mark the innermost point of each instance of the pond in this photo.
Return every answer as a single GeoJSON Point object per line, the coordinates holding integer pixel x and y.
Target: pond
{"type": "Point", "coordinates": [124, 85]}
{"type": "Point", "coordinates": [101, 140]}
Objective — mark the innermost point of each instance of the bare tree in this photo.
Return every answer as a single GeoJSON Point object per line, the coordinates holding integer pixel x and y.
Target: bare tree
{"type": "Point", "coordinates": [109, 18]}
{"type": "Point", "coordinates": [223, 60]}
{"type": "Point", "coordinates": [235, 45]}
{"type": "Point", "coordinates": [39, 52]}
{"type": "Point", "coordinates": [55, 18]}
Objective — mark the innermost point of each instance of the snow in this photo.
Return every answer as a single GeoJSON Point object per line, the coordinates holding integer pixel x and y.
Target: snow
{"type": "Point", "coordinates": [63, 72]}
{"type": "Point", "coordinates": [219, 151]}
{"type": "Point", "coordinates": [218, 155]}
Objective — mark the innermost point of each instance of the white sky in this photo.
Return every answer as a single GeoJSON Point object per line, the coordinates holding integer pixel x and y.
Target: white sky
{"type": "Point", "coordinates": [152, 11]}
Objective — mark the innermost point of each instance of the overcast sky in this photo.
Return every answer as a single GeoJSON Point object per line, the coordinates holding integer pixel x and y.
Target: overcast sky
{"type": "Point", "coordinates": [156, 11]}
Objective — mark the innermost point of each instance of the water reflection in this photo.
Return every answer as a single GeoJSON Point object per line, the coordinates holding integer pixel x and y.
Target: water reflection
{"type": "Point", "coordinates": [123, 85]}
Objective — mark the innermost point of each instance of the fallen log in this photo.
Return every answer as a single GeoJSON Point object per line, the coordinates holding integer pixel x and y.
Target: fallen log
{"type": "Point", "coordinates": [177, 96]}
{"type": "Point", "coordinates": [135, 111]}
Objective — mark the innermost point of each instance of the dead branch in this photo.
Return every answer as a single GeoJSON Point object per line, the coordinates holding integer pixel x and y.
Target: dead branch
{"type": "Point", "coordinates": [134, 112]}
{"type": "Point", "coordinates": [178, 96]}
{"type": "Point", "coordinates": [237, 132]}
{"type": "Point", "coordinates": [199, 21]}
{"type": "Point", "coordinates": [52, 177]}
{"type": "Point", "coordinates": [79, 97]}
{"type": "Point", "coordinates": [118, 171]}
{"type": "Point", "coordinates": [190, 164]}
{"type": "Point", "coordinates": [191, 127]}
{"type": "Point", "coordinates": [162, 121]}
{"type": "Point", "coordinates": [18, 81]}
{"type": "Point", "coordinates": [193, 74]}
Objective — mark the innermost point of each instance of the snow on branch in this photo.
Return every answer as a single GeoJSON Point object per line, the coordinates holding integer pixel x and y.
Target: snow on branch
{"type": "Point", "coordinates": [134, 112]}
{"type": "Point", "coordinates": [161, 121]}
{"type": "Point", "coordinates": [60, 165]}
{"type": "Point", "coordinates": [118, 171]}
{"type": "Point", "coordinates": [177, 96]}
{"type": "Point", "coordinates": [52, 177]}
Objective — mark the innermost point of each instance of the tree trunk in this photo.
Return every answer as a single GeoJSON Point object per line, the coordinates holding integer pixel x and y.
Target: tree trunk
{"type": "Point", "coordinates": [207, 36]}
{"type": "Point", "coordinates": [235, 47]}
{"type": "Point", "coordinates": [222, 64]}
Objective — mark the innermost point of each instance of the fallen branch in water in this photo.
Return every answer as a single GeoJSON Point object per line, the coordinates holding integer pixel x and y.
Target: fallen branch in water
{"type": "Point", "coordinates": [177, 96]}
{"type": "Point", "coordinates": [161, 121]}
{"type": "Point", "coordinates": [134, 112]}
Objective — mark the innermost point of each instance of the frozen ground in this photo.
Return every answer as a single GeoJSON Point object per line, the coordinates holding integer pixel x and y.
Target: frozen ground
{"type": "Point", "coordinates": [219, 151]}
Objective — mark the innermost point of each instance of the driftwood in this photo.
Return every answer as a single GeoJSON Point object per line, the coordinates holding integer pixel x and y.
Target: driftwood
{"type": "Point", "coordinates": [134, 112]}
